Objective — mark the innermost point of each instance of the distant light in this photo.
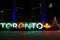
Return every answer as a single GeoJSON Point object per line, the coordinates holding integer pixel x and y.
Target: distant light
{"type": "Point", "coordinates": [2, 11]}
{"type": "Point", "coordinates": [50, 6]}
{"type": "Point", "coordinates": [40, 4]}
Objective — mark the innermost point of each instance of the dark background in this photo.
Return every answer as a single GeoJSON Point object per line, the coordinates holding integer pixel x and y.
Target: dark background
{"type": "Point", "coordinates": [29, 10]}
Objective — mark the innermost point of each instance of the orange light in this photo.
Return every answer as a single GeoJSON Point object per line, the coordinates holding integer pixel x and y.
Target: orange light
{"type": "Point", "coordinates": [47, 26]}
{"type": "Point", "coordinates": [21, 25]}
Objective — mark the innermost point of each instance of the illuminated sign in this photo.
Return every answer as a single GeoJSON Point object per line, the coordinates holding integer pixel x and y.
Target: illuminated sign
{"type": "Point", "coordinates": [24, 26]}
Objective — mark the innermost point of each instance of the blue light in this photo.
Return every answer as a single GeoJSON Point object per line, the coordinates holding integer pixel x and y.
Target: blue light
{"type": "Point", "coordinates": [43, 11]}
{"type": "Point", "coordinates": [43, 16]}
{"type": "Point", "coordinates": [14, 11]}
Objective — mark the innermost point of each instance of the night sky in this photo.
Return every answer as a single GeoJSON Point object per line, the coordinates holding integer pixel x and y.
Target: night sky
{"type": "Point", "coordinates": [28, 10]}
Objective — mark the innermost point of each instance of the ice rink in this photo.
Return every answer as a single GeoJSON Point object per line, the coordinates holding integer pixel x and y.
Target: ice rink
{"type": "Point", "coordinates": [29, 35]}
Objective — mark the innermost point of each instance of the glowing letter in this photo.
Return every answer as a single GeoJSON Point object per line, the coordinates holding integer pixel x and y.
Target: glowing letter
{"type": "Point", "coordinates": [14, 25]}
{"type": "Point", "coordinates": [33, 25]}
{"type": "Point", "coordinates": [28, 25]}
{"type": "Point", "coordinates": [8, 25]}
{"type": "Point", "coordinates": [20, 25]}
{"type": "Point", "coordinates": [2, 24]}
{"type": "Point", "coordinates": [41, 26]}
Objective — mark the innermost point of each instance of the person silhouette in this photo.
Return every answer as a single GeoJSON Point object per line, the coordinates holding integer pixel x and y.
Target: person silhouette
{"type": "Point", "coordinates": [55, 24]}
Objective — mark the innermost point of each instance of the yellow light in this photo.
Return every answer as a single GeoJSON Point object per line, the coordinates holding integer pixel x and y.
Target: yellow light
{"type": "Point", "coordinates": [47, 26]}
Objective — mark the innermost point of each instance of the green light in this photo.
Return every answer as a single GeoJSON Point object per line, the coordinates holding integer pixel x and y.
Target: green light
{"type": "Point", "coordinates": [33, 25]}
{"type": "Point", "coordinates": [8, 25]}
{"type": "Point", "coordinates": [27, 25]}
{"type": "Point", "coordinates": [2, 24]}
{"type": "Point", "coordinates": [30, 25]}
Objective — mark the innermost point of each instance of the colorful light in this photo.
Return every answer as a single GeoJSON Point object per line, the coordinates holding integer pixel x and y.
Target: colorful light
{"type": "Point", "coordinates": [43, 11]}
{"type": "Point", "coordinates": [47, 26]}
{"type": "Point", "coordinates": [25, 25]}
{"type": "Point", "coordinates": [14, 11]}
